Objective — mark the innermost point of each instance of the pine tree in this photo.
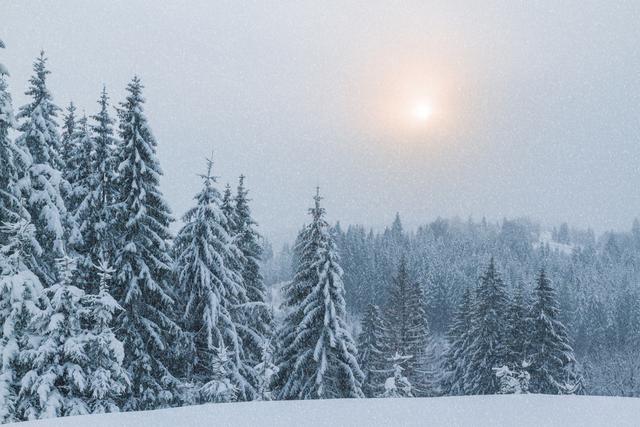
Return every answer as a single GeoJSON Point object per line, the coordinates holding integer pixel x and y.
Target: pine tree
{"type": "Point", "coordinates": [398, 385]}
{"type": "Point", "coordinates": [96, 212]}
{"type": "Point", "coordinates": [259, 317]}
{"type": "Point", "coordinates": [487, 334]}
{"type": "Point", "coordinates": [12, 162]}
{"type": "Point", "coordinates": [108, 380]}
{"type": "Point", "coordinates": [214, 293]}
{"type": "Point", "coordinates": [518, 329]}
{"type": "Point", "coordinates": [218, 388]}
{"type": "Point", "coordinates": [371, 351]}
{"type": "Point", "coordinates": [316, 355]}
{"type": "Point", "coordinates": [22, 299]}
{"type": "Point", "coordinates": [78, 171]}
{"type": "Point", "coordinates": [143, 263]}
{"type": "Point", "coordinates": [58, 372]}
{"type": "Point", "coordinates": [265, 370]}
{"type": "Point", "coordinates": [408, 327]}
{"type": "Point", "coordinates": [67, 141]}
{"type": "Point", "coordinates": [552, 358]}
{"type": "Point", "coordinates": [455, 362]}
{"type": "Point", "coordinates": [44, 186]}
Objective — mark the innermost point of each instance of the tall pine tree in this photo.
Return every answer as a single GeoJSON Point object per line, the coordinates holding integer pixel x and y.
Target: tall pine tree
{"type": "Point", "coordinates": [259, 318]}
{"type": "Point", "coordinates": [372, 356]}
{"type": "Point", "coordinates": [214, 295]}
{"type": "Point", "coordinates": [552, 358]}
{"type": "Point", "coordinates": [455, 359]}
{"type": "Point", "coordinates": [408, 328]}
{"type": "Point", "coordinates": [487, 347]}
{"type": "Point", "coordinates": [316, 356]}
{"type": "Point", "coordinates": [142, 262]}
{"type": "Point", "coordinates": [44, 187]}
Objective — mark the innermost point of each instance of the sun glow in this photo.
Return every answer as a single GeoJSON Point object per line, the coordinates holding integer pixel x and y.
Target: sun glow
{"type": "Point", "coordinates": [422, 111]}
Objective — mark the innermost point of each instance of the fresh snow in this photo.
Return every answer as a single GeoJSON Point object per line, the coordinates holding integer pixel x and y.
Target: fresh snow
{"type": "Point", "coordinates": [477, 411]}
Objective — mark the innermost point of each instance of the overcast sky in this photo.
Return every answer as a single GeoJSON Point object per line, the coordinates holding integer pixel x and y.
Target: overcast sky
{"type": "Point", "coordinates": [536, 105]}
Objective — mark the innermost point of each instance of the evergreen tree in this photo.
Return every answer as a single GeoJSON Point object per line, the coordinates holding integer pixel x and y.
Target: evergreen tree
{"type": "Point", "coordinates": [316, 356]}
{"type": "Point", "coordinates": [58, 372]}
{"type": "Point", "coordinates": [96, 212]}
{"type": "Point", "coordinates": [78, 171]}
{"type": "Point", "coordinates": [12, 162]}
{"type": "Point", "coordinates": [408, 327]}
{"type": "Point", "coordinates": [44, 186]}
{"type": "Point", "coordinates": [552, 358]}
{"type": "Point", "coordinates": [371, 351]}
{"type": "Point", "coordinates": [455, 362]}
{"type": "Point", "coordinates": [108, 380]}
{"type": "Point", "coordinates": [265, 370]}
{"type": "Point", "coordinates": [518, 329]}
{"type": "Point", "coordinates": [67, 141]}
{"type": "Point", "coordinates": [398, 385]}
{"type": "Point", "coordinates": [218, 388]}
{"type": "Point", "coordinates": [487, 334]}
{"type": "Point", "coordinates": [214, 293]}
{"type": "Point", "coordinates": [143, 263]}
{"type": "Point", "coordinates": [22, 299]}
{"type": "Point", "coordinates": [259, 316]}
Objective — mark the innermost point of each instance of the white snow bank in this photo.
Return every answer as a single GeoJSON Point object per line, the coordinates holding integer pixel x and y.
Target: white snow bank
{"type": "Point", "coordinates": [477, 411]}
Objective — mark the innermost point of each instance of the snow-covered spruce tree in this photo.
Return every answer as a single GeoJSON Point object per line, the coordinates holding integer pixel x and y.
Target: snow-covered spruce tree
{"type": "Point", "coordinates": [96, 212]}
{"type": "Point", "coordinates": [67, 141]}
{"type": "Point", "coordinates": [143, 263]}
{"type": "Point", "coordinates": [213, 293]}
{"type": "Point", "coordinates": [12, 161]}
{"type": "Point", "coordinates": [519, 328]}
{"type": "Point", "coordinates": [58, 372]}
{"type": "Point", "coordinates": [371, 351]}
{"type": "Point", "coordinates": [408, 329]}
{"type": "Point", "coordinates": [455, 362]}
{"type": "Point", "coordinates": [398, 385]}
{"type": "Point", "coordinates": [265, 370]}
{"type": "Point", "coordinates": [44, 188]}
{"type": "Point", "coordinates": [108, 380]}
{"type": "Point", "coordinates": [552, 359]}
{"type": "Point", "coordinates": [218, 388]}
{"type": "Point", "coordinates": [316, 355]}
{"type": "Point", "coordinates": [22, 299]}
{"type": "Point", "coordinates": [487, 347]}
{"type": "Point", "coordinates": [258, 313]}
{"type": "Point", "coordinates": [79, 166]}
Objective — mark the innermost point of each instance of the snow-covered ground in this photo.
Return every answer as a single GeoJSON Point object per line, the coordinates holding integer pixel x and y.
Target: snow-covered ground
{"type": "Point", "coordinates": [477, 411]}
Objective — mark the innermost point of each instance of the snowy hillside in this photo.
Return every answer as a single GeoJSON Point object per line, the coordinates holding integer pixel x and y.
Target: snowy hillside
{"type": "Point", "coordinates": [477, 411]}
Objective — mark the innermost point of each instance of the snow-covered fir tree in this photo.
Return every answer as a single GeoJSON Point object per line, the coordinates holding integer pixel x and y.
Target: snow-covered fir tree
{"type": "Point", "coordinates": [79, 167]}
{"type": "Point", "coordinates": [487, 347]}
{"type": "Point", "coordinates": [552, 359]}
{"type": "Point", "coordinates": [398, 385]}
{"type": "Point", "coordinates": [371, 351]}
{"type": "Point", "coordinates": [96, 213]}
{"type": "Point", "coordinates": [259, 316]}
{"type": "Point", "coordinates": [12, 161]}
{"type": "Point", "coordinates": [108, 380]}
{"type": "Point", "coordinates": [458, 337]}
{"type": "Point", "coordinates": [408, 327]}
{"type": "Point", "coordinates": [316, 357]}
{"type": "Point", "coordinates": [218, 388]}
{"type": "Point", "coordinates": [22, 299]}
{"type": "Point", "coordinates": [67, 141]}
{"type": "Point", "coordinates": [58, 363]}
{"type": "Point", "coordinates": [146, 324]}
{"type": "Point", "coordinates": [213, 292]}
{"type": "Point", "coordinates": [44, 188]}
{"type": "Point", "coordinates": [519, 327]}
{"type": "Point", "coordinates": [265, 370]}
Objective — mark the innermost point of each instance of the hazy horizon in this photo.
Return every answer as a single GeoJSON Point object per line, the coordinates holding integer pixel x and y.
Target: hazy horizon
{"type": "Point", "coordinates": [536, 107]}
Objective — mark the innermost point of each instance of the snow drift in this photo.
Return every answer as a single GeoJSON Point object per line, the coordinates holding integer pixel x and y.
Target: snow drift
{"type": "Point", "coordinates": [477, 411]}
